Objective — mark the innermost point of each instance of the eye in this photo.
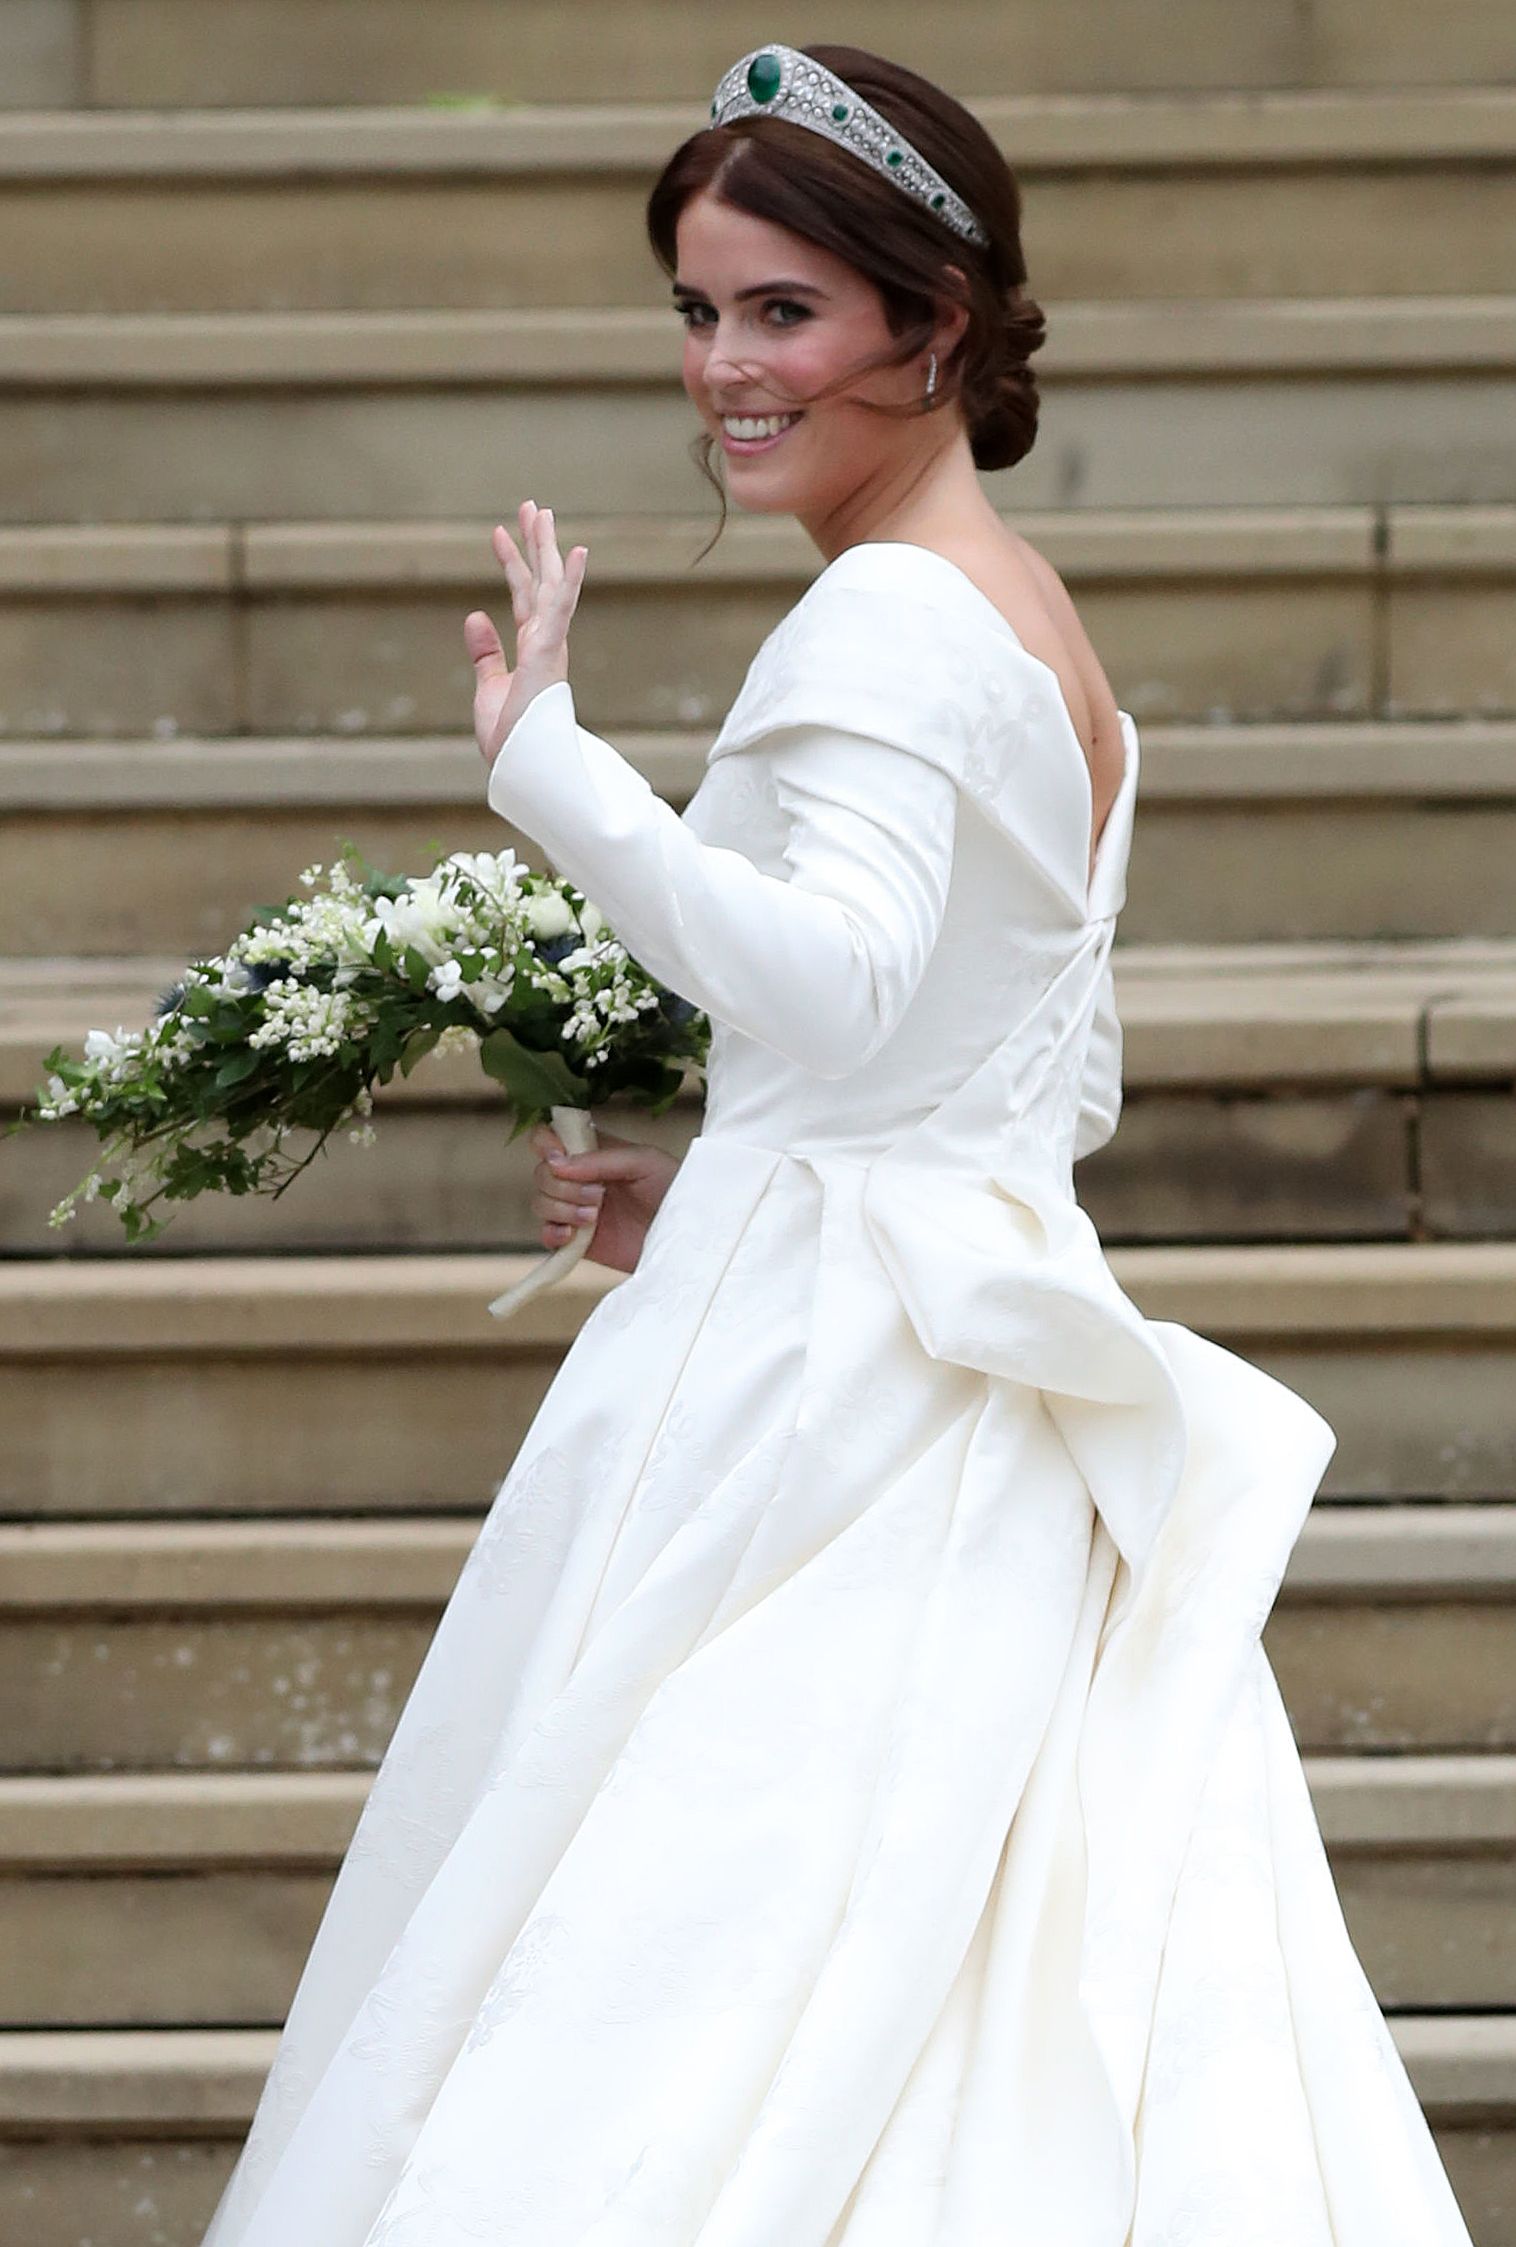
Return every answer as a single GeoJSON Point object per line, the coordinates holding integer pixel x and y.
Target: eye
{"type": "Point", "coordinates": [786, 303]}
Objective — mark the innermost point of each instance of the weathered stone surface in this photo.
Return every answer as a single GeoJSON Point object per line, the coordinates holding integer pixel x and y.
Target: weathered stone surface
{"type": "Point", "coordinates": [152, 2191]}
{"type": "Point", "coordinates": [1426, 1418]}
{"type": "Point", "coordinates": [1413, 1674]}
{"type": "Point", "coordinates": [1208, 436]}
{"type": "Point", "coordinates": [1117, 231]}
{"type": "Point", "coordinates": [1275, 1168]}
{"type": "Point", "coordinates": [167, 52]}
{"type": "Point", "coordinates": [1468, 1165]}
{"type": "Point", "coordinates": [42, 45]}
{"type": "Point", "coordinates": [1230, 872]}
{"type": "Point", "coordinates": [115, 665]}
{"type": "Point", "coordinates": [159, 1949]}
{"type": "Point", "coordinates": [1451, 647]}
{"type": "Point", "coordinates": [88, 1694]}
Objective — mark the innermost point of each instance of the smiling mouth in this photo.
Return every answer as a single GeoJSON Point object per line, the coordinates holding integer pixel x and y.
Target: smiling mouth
{"type": "Point", "coordinates": [760, 444]}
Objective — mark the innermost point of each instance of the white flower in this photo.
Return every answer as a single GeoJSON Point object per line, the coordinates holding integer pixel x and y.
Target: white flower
{"type": "Point", "coordinates": [446, 979]}
{"type": "Point", "coordinates": [548, 914]}
{"type": "Point", "coordinates": [421, 918]}
{"type": "Point", "coordinates": [592, 920]}
{"type": "Point", "coordinates": [112, 1051]}
{"type": "Point", "coordinates": [488, 993]}
{"type": "Point", "coordinates": [497, 873]}
{"type": "Point", "coordinates": [306, 1022]}
{"type": "Point", "coordinates": [103, 1045]}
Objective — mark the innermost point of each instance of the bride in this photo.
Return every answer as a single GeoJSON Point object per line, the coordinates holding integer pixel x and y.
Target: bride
{"type": "Point", "coordinates": [846, 1802]}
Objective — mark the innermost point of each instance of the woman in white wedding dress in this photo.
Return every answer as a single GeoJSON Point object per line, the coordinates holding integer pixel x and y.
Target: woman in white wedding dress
{"type": "Point", "coordinates": [846, 1802]}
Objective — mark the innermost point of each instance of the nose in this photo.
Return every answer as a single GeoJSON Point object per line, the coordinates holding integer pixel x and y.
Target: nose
{"type": "Point", "coordinates": [724, 376]}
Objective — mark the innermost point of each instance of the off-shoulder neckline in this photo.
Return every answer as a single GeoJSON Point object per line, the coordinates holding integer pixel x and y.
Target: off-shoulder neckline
{"type": "Point", "coordinates": [994, 617]}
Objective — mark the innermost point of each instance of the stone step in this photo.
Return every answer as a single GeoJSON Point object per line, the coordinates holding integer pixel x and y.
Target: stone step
{"type": "Point", "coordinates": [171, 1899]}
{"type": "Point", "coordinates": [379, 1384]}
{"type": "Point", "coordinates": [355, 628]}
{"type": "Point", "coordinates": [109, 417]}
{"type": "Point", "coordinates": [102, 2128]}
{"type": "Point", "coordinates": [1398, 829]}
{"type": "Point", "coordinates": [208, 1645]}
{"type": "Point", "coordinates": [271, 53]}
{"type": "Point", "coordinates": [1401, 191]}
{"type": "Point", "coordinates": [1285, 1092]}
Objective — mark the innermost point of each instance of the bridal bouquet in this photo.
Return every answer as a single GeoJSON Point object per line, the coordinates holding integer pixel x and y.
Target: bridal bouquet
{"type": "Point", "coordinates": [256, 1057]}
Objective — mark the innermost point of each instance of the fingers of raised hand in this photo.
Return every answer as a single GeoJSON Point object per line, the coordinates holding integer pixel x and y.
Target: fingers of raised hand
{"type": "Point", "coordinates": [518, 573]}
{"type": "Point", "coordinates": [543, 586]}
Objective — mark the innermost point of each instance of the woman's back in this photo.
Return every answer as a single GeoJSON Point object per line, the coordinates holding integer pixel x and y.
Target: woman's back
{"type": "Point", "coordinates": [980, 826]}
{"type": "Point", "coordinates": [1034, 602]}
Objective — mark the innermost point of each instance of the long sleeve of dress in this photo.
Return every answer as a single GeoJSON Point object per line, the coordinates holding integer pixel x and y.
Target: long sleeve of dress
{"type": "Point", "coordinates": [819, 964]}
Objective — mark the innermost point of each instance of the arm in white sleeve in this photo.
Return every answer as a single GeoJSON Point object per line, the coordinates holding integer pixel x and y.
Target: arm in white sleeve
{"type": "Point", "coordinates": [819, 965]}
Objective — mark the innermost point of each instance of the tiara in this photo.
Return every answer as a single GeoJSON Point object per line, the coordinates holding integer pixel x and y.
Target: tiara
{"type": "Point", "coordinates": [782, 82]}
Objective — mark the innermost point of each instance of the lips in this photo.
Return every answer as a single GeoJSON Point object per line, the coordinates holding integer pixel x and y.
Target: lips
{"type": "Point", "coordinates": [742, 445]}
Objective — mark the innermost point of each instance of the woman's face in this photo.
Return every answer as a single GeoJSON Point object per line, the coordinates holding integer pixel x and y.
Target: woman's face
{"type": "Point", "coordinates": [769, 314]}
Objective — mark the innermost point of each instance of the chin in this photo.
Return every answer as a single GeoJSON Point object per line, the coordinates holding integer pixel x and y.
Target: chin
{"type": "Point", "coordinates": [764, 502]}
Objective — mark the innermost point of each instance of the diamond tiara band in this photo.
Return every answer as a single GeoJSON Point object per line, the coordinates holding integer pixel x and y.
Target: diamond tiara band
{"type": "Point", "coordinates": [781, 82]}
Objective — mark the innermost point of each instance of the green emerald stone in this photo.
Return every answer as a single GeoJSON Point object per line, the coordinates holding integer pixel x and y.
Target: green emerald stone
{"type": "Point", "coordinates": [839, 112]}
{"type": "Point", "coordinates": [938, 201]}
{"type": "Point", "coordinates": [893, 156]}
{"type": "Point", "coordinates": [763, 75]}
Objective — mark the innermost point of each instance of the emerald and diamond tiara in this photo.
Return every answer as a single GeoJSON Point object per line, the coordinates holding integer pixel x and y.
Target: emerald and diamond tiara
{"type": "Point", "coordinates": [779, 81]}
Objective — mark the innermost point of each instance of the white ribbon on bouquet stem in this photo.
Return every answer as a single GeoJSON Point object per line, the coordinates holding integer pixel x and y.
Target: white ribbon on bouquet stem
{"type": "Point", "coordinates": [575, 1127]}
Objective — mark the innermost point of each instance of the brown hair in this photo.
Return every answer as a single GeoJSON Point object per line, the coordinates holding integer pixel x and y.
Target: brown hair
{"type": "Point", "coordinates": [794, 177]}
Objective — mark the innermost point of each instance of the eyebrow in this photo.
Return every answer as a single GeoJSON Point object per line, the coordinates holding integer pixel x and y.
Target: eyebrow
{"type": "Point", "coordinates": [762, 288]}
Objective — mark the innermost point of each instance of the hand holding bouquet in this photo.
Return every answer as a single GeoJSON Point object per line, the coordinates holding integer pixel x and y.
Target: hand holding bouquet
{"type": "Point", "coordinates": [257, 1056]}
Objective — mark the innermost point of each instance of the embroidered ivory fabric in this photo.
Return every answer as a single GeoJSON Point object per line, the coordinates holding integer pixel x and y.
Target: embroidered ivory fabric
{"type": "Point", "coordinates": [846, 1802]}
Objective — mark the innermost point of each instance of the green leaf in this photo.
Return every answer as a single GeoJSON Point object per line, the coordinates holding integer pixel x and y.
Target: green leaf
{"type": "Point", "coordinates": [417, 969]}
{"type": "Point", "coordinates": [236, 1066]}
{"type": "Point", "coordinates": [417, 1048]}
{"type": "Point", "coordinates": [533, 1080]}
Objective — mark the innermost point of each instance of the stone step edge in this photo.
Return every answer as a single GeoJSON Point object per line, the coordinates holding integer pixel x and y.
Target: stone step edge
{"type": "Point", "coordinates": [1399, 1551]}
{"type": "Point", "coordinates": [204, 2082]}
{"type": "Point", "coordinates": [1360, 1295]}
{"type": "Point", "coordinates": [115, 1822]}
{"type": "Point", "coordinates": [1375, 542]}
{"type": "Point", "coordinates": [1366, 760]}
{"type": "Point", "coordinates": [561, 348]}
{"type": "Point", "coordinates": [1039, 132]}
{"type": "Point", "coordinates": [1200, 1026]}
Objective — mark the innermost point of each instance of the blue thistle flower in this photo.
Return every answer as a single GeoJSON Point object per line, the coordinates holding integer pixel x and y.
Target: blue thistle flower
{"type": "Point", "coordinates": [261, 973]}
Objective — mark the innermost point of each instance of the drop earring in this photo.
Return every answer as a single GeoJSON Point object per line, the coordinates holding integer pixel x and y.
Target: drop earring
{"type": "Point", "coordinates": [931, 378]}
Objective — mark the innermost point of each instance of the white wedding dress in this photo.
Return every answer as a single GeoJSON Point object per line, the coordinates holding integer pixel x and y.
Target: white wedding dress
{"type": "Point", "coordinates": [846, 1802]}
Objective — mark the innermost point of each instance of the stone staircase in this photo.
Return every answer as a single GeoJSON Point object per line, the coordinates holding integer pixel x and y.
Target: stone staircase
{"type": "Point", "coordinates": [282, 333]}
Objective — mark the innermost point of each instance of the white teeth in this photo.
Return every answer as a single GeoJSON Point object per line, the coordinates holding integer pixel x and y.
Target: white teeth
{"type": "Point", "coordinates": [747, 426]}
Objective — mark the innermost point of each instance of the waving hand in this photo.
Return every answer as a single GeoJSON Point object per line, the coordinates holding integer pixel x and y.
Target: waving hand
{"type": "Point", "coordinates": [544, 595]}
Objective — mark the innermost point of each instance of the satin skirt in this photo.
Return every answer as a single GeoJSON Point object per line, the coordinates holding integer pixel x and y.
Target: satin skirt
{"type": "Point", "coordinates": [846, 1802]}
